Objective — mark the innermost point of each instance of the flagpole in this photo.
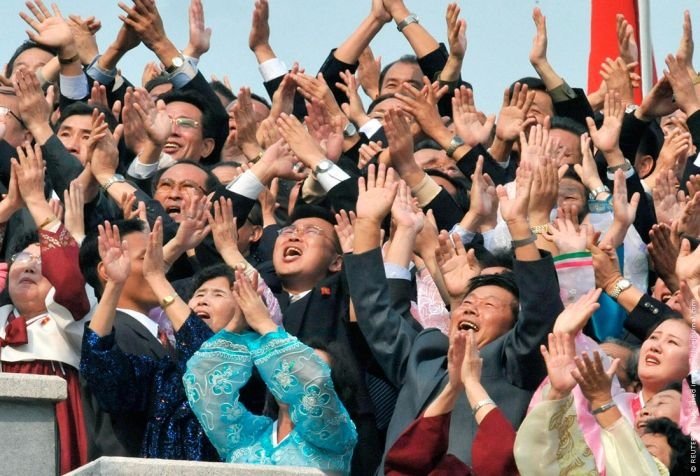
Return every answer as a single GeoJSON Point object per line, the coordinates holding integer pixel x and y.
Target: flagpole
{"type": "Point", "coordinates": [645, 51]}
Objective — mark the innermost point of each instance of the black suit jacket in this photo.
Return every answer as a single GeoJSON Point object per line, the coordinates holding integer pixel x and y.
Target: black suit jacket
{"type": "Point", "coordinates": [120, 434]}
{"type": "Point", "coordinates": [416, 361]}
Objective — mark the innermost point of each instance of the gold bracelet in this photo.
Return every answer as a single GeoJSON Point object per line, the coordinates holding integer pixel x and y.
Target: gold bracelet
{"type": "Point", "coordinates": [167, 301]}
{"type": "Point", "coordinates": [540, 229]}
{"type": "Point", "coordinates": [257, 157]}
{"type": "Point", "coordinates": [50, 219]}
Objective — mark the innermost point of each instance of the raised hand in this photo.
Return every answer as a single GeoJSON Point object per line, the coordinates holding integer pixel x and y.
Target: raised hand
{"type": "Point", "coordinates": [102, 152]}
{"type": "Point", "coordinates": [398, 133]}
{"type": "Point", "coordinates": [30, 173]}
{"type": "Point", "coordinates": [663, 251]}
{"type": "Point", "coordinates": [595, 382]}
{"type": "Point", "coordinates": [114, 253]}
{"type": "Point", "coordinates": [83, 31]}
{"type": "Point", "coordinates": [200, 35]}
{"type": "Point", "coordinates": [682, 84]}
{"type": "Point", "coordinates": [422, 105]}
{"type": "Point", "coordinates": [353, 108]}
{"type": "Point", "coordinates": [194, 226]}
{"type": "Point", "coordinates": [532, 146]}
{"type": "Point", "coordinates": [587, 170]}
{"type": "Point", "coordinates": [12, 201]}
{"type": "Point", "coordinates": [368, 70]}
{"type": "Point", "coordinates": [74, 218]}
{"type": "Point", "coordinates": [512, 118]}
{"type": "Point", "coordinates": [606, 267]}
{"type": "Point", "coordinates": [668, 202]}
{"type": "Point", "coordinates": [300, 141]}
{"type": "Point", "coordinates": [281, 162]}
{"type": "Point", "coordinates": [154, 117]}
{"type": "Point", "coordinates": [515, 210]}
{"type": "Point", "coordinates": [50, 28]}
{"type": "Point", "coordinates": [153, 263]}
{"type": "Point", "coordinates": [482, 197]}
{"type": "Point", "coordinates": [405, 213]}
{"type": "Point", "coordinates": [467, 120]}
{"type": "Point", "coordinates": [456, 264]}
{"type": "Point", "coordinates": [376, 193]}
{"type": "Point", "coordinates": [472, 363]}
{"type": "Point", "coordinates": [686, 47]}
{"type": "Point", "coordinates": [283, 98]}
{"type": "Point", "coordinates": [616, 75]}
{"type": "Point", "coordinates": [689, 222]}
{"type": "Point", "coordinates": [688, 264]}
{"type": "Point", "coordinates": [317, 88]}
{"type": "Point", "coordinates": [545, 188]}
{"type": "Point", "coordinates": [259, 38]}
{"type": "Point", "coordinates": [624, 212]}
{"type": "Point", "coordinates": [224, 229]}
{"type": "Point", "coordinates": [559, 359]}
{"type": "Point", "coordinates": [626, 42]}
{"type": "Point", "coordinates": [327, 130]}
{"type": "Point", "coordinates": [32, 105]}
{"type": "Point", "coordinates": [538, 52]}
{"type": "Point", "coordinates": [607, 138]}
{"type": "Point", "coordinates": [345, 231]}
{"type": "Point", "coordinates": [575, 316]}
{"type": "Point", "coordinates": [455, 357]}
{"type": "Point", "coordinates": [368, 152]}
{"type": "Point", "coordinates": [254, 310]}
{"type": "Point", "coordinates": [246, 126]}
{"type": "Point", "coordinates": [567, 237]}
{"type": "Point", "coordinates": [146, 21]}
{"type": "Point", "coordinates": [456, 31]}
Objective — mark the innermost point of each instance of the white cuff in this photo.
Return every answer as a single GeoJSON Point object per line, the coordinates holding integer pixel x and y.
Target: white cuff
{"type": "Point", "coordinates": [396, 271]}
{"type": "Point", "coordinates": [183, 75]}
{"type": "Point", "coordinates": [331, 177]}
{"type": "Point", "coordinates": [139, 170]}
{"type": "Point", "coordinates": [628, 174]}
{"type": "Point", "coordinates": [247, 184]}
{"type": "Point", "coordinates": [465, 235]}
{"type": "Point", "coordinates": [74, 87]}
{"type": "Point", "coordinates": [272, 68]}
{"type": "Point", "coordinates": [505, 164]}
{"type": "Point", "coordinates": [370, 127]}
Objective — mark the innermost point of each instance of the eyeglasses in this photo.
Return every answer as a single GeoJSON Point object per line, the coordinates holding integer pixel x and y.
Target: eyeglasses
{"type": "Point", "coordinates": [24, 258]}
{"type": "Point", "coordinates": [185, 122]}
{"type": "Point", "coordinates": [4, 111]}
{"type": "Point", "coordinates": [303, 230]}
{"type": "Point", "coordinates": [167, 185]}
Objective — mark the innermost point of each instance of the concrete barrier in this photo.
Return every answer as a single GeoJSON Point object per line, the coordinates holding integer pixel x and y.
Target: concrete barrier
{"type": "Point", "coordinates": [28, 423]}
{"type": "Point", "coordinates": [114, 466]}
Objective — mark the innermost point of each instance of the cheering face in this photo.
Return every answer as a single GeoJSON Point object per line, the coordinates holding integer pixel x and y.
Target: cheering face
{"type": "Point", "coordinates": [306, 251]}
{"type": "Point", "coordinates": [25, 282]}
{"type": "Point", "coordinates": [542, 106]}
{"type": "Point", "coordinates": [570, 143]}
{"type": "Point", "coordinates": [186, 141]}
{"type": "Point", "coordinates": [31, 59]}
{"type": "Point", "coordinates": [663, 358]}
{"type": "Point", "coordinates": [438, 160]}
{"type": "Point", "coordinates": [401, 73]}
{"type": "Point", "coordinates": [488, 311]}
{"type": "Point", "coordinates": [664, 404]}
{"type": "Point", "coordinates": [178, 180]}
{"type": "Point", "coordinates": [213, 302]}
{"type": "Point", "coordinates": [74, 133]}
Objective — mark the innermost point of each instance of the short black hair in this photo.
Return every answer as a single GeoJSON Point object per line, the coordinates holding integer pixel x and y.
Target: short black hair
{"type": "Point", "coordinates": [668, 315]}
{"type": "Point", "coordinates": [303, 210]}
{"type": "Point", "coordinates": [89, 256]}
{"type": "Point", "coordinates": [504, 280]}
{"type": "Point", "coordinates": [568, 124]}
{"type": "Point", "coordinates": [461, 198]}
{"type": "Point", "coordinates": [211, 126]}
{"type": "Point", "coordinates": [679, 442]}
{"type": "Point", "coordinates": [157, 81]}
{"type": "Point", "coordinates": [209, 184]}
{"type": "Point", "coordinates": [27, 45]}
{"type": "Point", "coordinates": [80, 108]}
{"type": "Point", "coordinates": [405, 59]}
{"type": "Point", "coordinates": [219, 270]}
{"type": "Point", "coordinates": [378, 100]}
{"type": "Point", "coordinates": [260, 99]}
{"type": "Point", "coordinates": [220, 88]}
{"type": "Point", "coordinates": [533, 84]}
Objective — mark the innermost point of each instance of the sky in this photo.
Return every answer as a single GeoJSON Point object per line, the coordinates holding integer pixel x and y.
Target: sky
{"type": "Point", "coordinates": [499, 35]}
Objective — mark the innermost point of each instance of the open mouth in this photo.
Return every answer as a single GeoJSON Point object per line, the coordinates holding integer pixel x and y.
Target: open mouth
{"type": "Point", "coordinates": [203, 315]}
{"type": "Point", "coordinates": [467, 326]}
{"type": "Point", "coordinates": [651, 360]}
{"type": "Point", "coordinates": [173, 210]}
{"type": "Point", "coordinates": [292, 252]}
{"type": "Point", "coordinates": [170, 147]}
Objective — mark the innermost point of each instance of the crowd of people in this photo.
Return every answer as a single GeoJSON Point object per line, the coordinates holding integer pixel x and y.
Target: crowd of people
{"type": "Point", "coordinates": [405, 287]}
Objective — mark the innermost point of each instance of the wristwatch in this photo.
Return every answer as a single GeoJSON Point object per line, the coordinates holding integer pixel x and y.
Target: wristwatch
{"type": "Point", "coordinates": [116, 178]}
{"type": "Point", "coordinates": [597, 191]}
{"type": "Point", "coordinates": [624, 167]}
{"type": "Point", "coordinates": [455, 144]}
{"type": "Point", "coordinates": [411, 18]}
{"type": "Point", "coordinates": [175, 63]}
{"type": "Point", "coordinates": [631, 108]}
{"type": "Point", "coordinates": [167, 301]}
{"type": "Point", "coordinates": [323, 166]}
{"type": "Point", "coordinates": [621, 285]}
{"type": "Point", "coordinates": [350, 129]}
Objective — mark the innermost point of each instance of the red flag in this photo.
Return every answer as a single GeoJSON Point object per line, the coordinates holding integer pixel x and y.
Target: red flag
{"type": "Point", "coordinates": [604, 36]}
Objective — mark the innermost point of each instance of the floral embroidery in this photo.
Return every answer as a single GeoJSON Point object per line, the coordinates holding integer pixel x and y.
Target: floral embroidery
{"type": "Point", "coordinates": [284, 376]}
{"type": "Point", "coordinates": [220, 381]}
{"type": "Point", "coordinates": [313, 401]}
{"type": "Point", "coordinates": [231, 412]}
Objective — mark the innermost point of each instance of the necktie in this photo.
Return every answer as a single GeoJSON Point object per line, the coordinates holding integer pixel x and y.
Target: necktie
{"type": "Point", "coordinates": [383, 396]}
{"type": "Point", "coordinates": [15, 332]}
{"type": "Point", "coordinates": [163, 338]}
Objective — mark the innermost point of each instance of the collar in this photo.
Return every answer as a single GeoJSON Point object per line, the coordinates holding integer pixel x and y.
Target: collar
{"type": "Point", "coordinates": [143, 319]}
{"type": "Point", "coordinates": [297, 297]}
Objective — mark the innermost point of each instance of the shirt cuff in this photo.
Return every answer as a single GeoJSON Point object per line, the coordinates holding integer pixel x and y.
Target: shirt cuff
{"type": "Point", "coordinates": [395, 271]}
{"type": "Point", "coordinates": [332, 177]}
{"type": "Point", "coordinates": [272, 68]}
{"type": "Point", "coordinates": [193, 60]}
{"type": "Point", "coordinates": [562, 93]}
{"type": "Point", "coordinates": [370, 127]}
{"type": "Point", "coordinates": [247, 184]}
{"type": "Point", "coordinates": [426, 191]}
{"type": "Point", "coordinates": [100, 75]}
{"type": "Point", "coordinates": [465, 235]}
{"type": "Point", "coordinates": [139, 170]}
{"type": "Point", "coordinates": [183, 75]}
{"type": "Point", "coordinates": [74, 87]}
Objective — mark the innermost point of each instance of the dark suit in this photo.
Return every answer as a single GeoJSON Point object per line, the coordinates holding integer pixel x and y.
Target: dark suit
{"type": "Point", "coordinates": [112, 434]}
{"type": "Point", "coordinates": [416, 362]}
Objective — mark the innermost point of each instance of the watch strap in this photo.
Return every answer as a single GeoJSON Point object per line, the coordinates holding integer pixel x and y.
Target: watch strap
{"type": "Point", "coordinates": [455, 143]}
{"type": "Point", "coordinates": [525, 241]}
{"type": "Point", "coordinates": [411, 18]}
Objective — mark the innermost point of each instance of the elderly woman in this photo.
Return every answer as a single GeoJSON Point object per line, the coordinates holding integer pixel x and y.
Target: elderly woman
{"type": "Point", "coordinates": [40, 328]}
{"type": "Point", "coordinates": [312, 427]}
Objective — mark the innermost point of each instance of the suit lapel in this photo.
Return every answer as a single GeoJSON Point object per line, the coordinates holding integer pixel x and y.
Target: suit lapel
{"type": "Point", "coordinates": [142, 333]}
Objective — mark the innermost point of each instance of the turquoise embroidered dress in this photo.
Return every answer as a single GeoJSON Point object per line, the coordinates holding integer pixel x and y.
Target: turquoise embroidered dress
{"type": "Point", "coordinates": [323, 436]}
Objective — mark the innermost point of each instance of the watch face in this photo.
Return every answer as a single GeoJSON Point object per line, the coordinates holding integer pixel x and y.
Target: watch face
{"type": "Point", "coordinates": [177, 62]}
{"type": "Point", "coordinates": [624, 284]}
{"type": "Point", "coordinates": [324, 165]}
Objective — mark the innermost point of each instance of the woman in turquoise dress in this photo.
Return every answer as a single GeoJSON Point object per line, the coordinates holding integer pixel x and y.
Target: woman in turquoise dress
{"type": "Point", "coordinates": [312, 428]}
